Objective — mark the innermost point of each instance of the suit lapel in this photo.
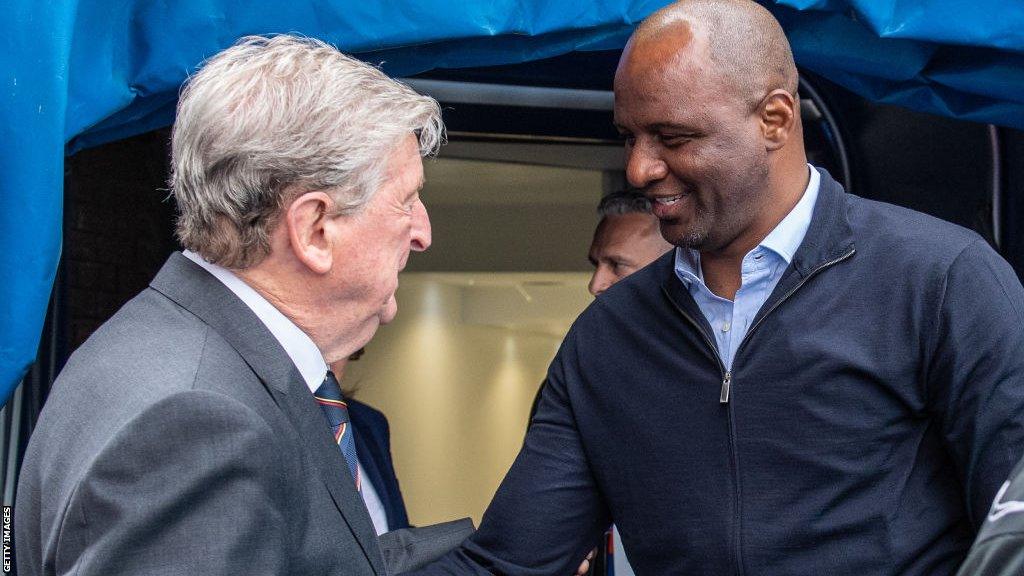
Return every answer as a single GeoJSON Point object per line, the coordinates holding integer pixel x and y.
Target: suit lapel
{"type": "Point", "coordinates": [309, 421]}
{"type": "Point", "coordinates": [194, 289]}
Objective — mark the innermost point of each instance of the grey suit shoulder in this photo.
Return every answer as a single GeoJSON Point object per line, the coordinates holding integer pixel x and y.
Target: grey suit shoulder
{"type": "Point", "coordinates": [180, 439]}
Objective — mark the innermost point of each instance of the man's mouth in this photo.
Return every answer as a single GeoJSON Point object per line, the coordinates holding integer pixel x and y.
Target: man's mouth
{"type": "Point", "coordinates": [669, 200]}
{"type": "Point", "coordinates": [668, 207]}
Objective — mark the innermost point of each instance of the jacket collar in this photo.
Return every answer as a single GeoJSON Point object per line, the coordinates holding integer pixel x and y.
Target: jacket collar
{"type": "Point", "coordinates": [830, 235]}
{"type": "Point", "coordinates": [296, 343]}
{"type": "Point", "coordinates": [199, 292]}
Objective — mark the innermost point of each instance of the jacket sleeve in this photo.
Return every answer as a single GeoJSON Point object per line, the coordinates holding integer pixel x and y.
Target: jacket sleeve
{"type": "Point", "coordinates": [548, 512]}
{"type": "Point", "coordinates": [189, 486]}
{"type": "Point", "coordinates": [409, 548]}
{"type": "Point", "coordinates": [975, 380]}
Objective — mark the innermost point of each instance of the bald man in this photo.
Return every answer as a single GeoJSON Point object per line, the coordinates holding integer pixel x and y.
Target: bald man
{"type": "Point", "coordinates": [810, 383]}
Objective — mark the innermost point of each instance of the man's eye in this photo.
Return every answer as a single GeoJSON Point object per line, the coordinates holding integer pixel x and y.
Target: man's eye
{"type": "Point", "coordinates": [672, 140]}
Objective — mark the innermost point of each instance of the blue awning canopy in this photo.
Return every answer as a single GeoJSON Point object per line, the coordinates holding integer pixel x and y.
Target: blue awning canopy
{"type": "Point", "coordinates": [78, 74]}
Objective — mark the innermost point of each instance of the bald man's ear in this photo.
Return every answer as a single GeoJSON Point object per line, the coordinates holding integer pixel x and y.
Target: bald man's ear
{"type": "Point", "coordinates": [309, 227]}
{"type": "Point", "coordinates": [779, 111]}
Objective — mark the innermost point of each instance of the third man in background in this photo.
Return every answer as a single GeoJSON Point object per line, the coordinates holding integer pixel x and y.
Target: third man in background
{"type": "Point", "coordinates": [626, 239]}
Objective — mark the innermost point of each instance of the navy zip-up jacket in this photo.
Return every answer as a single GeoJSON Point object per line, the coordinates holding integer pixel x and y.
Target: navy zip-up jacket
{"type": "Point", "coordinates": [876, 405]}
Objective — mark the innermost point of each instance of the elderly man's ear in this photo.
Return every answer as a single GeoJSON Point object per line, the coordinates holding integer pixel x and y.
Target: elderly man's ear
{"type": "Point", "coordinates": [312, 230]}
{"type": "Point", "coordinates": [778, 117]}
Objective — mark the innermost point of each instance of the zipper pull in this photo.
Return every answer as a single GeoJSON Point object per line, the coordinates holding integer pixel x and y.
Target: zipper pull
{"type": "Point", "coordinates": [726, 384]}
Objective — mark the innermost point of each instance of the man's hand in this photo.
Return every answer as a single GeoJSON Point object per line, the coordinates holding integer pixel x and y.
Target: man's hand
{"type": "Point", "coordinates": [585, 565]}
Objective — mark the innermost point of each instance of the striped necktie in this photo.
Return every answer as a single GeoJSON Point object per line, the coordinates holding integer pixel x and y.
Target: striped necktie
{"type": "Point", "coordinates": [328, 396]}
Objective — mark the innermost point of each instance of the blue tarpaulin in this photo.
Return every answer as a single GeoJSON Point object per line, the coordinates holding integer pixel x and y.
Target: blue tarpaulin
{"type": "Point", "coordinates": [76, 74]}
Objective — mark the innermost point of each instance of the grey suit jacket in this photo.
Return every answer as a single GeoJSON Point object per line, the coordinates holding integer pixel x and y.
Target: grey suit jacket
{"type": "Point", "coordinates": [181, 439]}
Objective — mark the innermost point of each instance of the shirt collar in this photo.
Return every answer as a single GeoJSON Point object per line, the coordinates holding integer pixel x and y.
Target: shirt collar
{"type": "Point", "coordinates": [789, 234]}
{"type": "Point", "coordinates": [688, 266]}
{"type": "Point", "coordinates": [783, 240]}
{"type": "Point", "coordinates": [296, 343]}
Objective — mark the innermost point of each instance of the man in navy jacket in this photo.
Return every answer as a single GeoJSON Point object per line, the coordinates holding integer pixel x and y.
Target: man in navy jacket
{"type": "Point", "coordinates": [811, 383]}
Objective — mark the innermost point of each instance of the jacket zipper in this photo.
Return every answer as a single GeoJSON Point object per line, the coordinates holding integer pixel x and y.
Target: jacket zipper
{"type": "Point", "coordinates": [726, 384]}
{"type": "Point", "coordinates": [727, 380]}
{"type": "Point", "coordinates": [733, 464]}
{"type": "Point", "coordinates": [707, 339]}
{"type": "Point", "coordinates": [727, 387]}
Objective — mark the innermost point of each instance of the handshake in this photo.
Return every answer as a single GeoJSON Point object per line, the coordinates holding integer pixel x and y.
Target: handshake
{"type": "Point", "coordinates": [413, 548]}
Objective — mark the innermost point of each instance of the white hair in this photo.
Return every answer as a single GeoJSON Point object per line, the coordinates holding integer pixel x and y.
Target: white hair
{"type": "Point", "coordinates": [274, 117]}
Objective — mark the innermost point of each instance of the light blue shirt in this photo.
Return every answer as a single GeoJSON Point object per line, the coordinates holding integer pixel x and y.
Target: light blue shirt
{"type": "Point", "coordinates": [761, 270]}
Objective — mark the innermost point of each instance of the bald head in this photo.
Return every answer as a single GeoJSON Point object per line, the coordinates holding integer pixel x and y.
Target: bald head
{"type": "Point", "coordinates": [740, 38]}
{"type": "Point", "coordinates": [705, 100]}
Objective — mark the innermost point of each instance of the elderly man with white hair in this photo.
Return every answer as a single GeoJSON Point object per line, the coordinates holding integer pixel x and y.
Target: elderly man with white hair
{"type": "Point", "coordinates": [199, 430]}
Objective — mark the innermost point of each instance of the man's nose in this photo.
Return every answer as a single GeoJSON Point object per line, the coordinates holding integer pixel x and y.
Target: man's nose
{"type": "Point", "coordinates": [601, 280]}
{"type": "Point", "coordinates": [420, 236]}
{"type": "Point", "coordinates": [644, 165]}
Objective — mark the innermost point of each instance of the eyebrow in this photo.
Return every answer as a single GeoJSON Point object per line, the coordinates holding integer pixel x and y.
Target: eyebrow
{"type": "Point", "coordinates": [418, 189]}
{"type": "Point", "coordinates": [658, 127]}
{"type": "Point", "coordinates": [673, 126]}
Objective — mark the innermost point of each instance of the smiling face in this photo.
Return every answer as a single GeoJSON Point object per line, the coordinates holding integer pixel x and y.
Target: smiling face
{"type": "Point", "coordinates": [373, 244]}
{"type": "Point", "coordinates": [693, 145]}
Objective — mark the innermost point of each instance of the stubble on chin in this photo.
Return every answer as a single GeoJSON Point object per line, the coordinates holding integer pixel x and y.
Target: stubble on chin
{"type": "Point", "coordinates": [693, 240]}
